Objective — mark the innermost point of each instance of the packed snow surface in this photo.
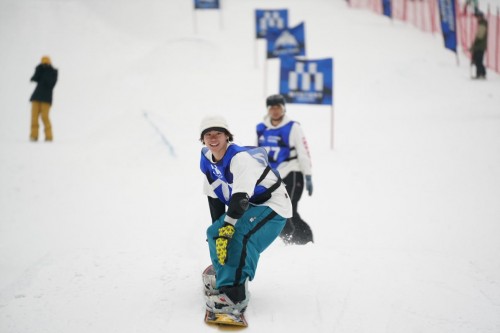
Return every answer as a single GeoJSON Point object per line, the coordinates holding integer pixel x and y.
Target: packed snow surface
{"type": "Point", "coordinates": [103, 230]}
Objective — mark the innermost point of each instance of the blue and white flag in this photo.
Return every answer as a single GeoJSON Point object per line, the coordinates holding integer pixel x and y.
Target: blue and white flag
{"type": "Point", "coordinates": [289, 41]}
{"type": "Point", "coordinates": [306, 81]}
{"type": "Point", "coordinates": [387, 8]}
{"type": "Point", "coordinates": [270, 19]}
{"type": "Point", "coordinates": [448, 16]}
{"type": "Point", "coordinates": [206, 4]}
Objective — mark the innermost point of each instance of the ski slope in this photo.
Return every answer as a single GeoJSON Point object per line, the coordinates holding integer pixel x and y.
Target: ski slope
{"type": "Point", "coordinates": [103, 230]}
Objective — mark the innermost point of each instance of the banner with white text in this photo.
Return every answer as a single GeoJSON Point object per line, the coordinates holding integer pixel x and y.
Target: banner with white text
{"type": "Point", "coordinates": [306, 81]}
{"type": "Point", "coordinates": [206, 4]}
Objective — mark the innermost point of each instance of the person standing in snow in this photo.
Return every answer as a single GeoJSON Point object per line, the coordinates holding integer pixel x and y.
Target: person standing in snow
{"type": "Point", "coordinates": [41, 100]}
{"type": "Point", "coordinates": [288, 153]}
{"type": "Point", "coordinates": [479, 46]}
{"type": "Point", "coordinates": [258, 205]}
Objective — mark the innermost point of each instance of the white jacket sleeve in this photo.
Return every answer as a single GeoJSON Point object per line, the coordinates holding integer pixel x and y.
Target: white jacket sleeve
{"type": "Point", "coordinates": [298, 140]}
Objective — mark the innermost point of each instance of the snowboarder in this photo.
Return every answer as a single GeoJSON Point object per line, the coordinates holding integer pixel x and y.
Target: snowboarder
{"type": "Point", "coordinates": [41, 100]}
{"type": "Point", "coordinates": [257, 208]}
{"type": "Point", "coordinates": [289, 154]}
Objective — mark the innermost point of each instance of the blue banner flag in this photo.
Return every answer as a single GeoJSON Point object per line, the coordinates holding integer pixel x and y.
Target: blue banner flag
{"type": "Point", "coordinates": [270, 19]}
{"type": "Point", "coordinates": [289, 41]}
{"type": "Point", "coordinates": [387, 8]}
{"type": "Point", "coordinates": [306, 81]}
{"type": "Point", "coordinates": [447, 14]}
{"type": "Point", "coordinates": [206, 4]}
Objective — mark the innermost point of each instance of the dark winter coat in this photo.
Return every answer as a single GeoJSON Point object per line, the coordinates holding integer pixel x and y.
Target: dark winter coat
{"type": "Point", "coordinates": [481, 40]}
{"type": "Point", "coordinates": [46, 77]}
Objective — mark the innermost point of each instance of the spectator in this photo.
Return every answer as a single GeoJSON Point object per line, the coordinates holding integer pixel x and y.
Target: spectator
{"type": "Point", "coordinates": [479, 46]}
{"type": "Point", "coordinates": [41, 100]}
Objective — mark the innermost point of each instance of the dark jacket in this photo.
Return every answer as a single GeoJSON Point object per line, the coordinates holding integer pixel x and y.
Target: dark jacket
{"type": "Point", "coordinates": [481, 39]}
{"type": "Point", "coordinates": [46, 77]}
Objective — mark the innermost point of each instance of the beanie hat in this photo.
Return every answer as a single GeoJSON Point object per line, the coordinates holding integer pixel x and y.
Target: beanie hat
{"type": "Point", "coordinates": [46, 60]}
{"type": "Point", "coordinates": [275, 100]}
{"type": "Point", "coordinates": [214, 123]}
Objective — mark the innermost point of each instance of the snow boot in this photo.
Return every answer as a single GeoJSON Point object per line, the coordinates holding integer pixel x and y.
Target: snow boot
{"type": "Point", "coordinates": [232, 300]}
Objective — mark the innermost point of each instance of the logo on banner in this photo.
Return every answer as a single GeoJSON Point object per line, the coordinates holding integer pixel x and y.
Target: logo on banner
{"type": "Point", "coordinates": [305, 77]}
{"type": "Point", "coordinates": [270, 20]}
{"type": "Point", "coordinates": [286, 42]}
{"type": "Point", "coordinates": [206, 4]}
{"type": "Point", "coordinates": [307, 81]}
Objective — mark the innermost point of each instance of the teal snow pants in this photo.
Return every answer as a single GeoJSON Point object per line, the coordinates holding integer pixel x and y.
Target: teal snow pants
{"type": "Point", "coordinates": [254, 232]}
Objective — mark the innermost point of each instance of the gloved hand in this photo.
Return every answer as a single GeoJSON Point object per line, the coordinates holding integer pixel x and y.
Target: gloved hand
{"type": "Point", "coordinates": [309, 185]}
{"type": "Point", "coordinates": [226, 232]}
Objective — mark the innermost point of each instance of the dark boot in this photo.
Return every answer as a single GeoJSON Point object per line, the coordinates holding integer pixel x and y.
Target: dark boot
{"type": "Point", "coordinates": [302, 233]}
{"type": "Point", "coordinates": [237, 294]}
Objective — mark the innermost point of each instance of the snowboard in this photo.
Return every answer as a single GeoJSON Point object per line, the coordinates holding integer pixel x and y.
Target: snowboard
{"type": "Point", "coordinates": [227, 319]}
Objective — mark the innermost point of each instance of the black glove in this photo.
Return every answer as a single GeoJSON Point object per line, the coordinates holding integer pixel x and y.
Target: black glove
{"type": "Point", "coordinates": [309, 185]}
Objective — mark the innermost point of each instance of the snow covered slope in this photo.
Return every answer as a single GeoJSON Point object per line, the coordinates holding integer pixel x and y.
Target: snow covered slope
{"type": "Point", "coordinates": [103, 230]}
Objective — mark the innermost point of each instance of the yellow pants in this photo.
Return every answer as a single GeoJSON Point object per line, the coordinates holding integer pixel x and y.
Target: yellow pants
{"type": "Point", "coordinates": [40, 109]}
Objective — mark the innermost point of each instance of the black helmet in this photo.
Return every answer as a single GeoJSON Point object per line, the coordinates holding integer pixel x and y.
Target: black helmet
{"type": "Point", "coordinates": [275, 100]}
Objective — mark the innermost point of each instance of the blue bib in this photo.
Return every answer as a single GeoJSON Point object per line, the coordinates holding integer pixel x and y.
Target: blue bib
{"type": "Point", "coordinates": [276, 141]}
{"type": "Point", "coordinates": [220, 177]}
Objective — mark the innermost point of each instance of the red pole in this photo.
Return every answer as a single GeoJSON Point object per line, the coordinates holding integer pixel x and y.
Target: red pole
{"type": "Point", "coordinates": [265, 77]}
{"type": "Point", "coordinates": [465, 32]}
{"type": "Point", "coordinates": [332, 121]}
{"type": "Point", "coordinates": [432, 7]}
{"type": "Point", "coordinates": [332, 127]}
{"type": "Point", "coordinates": [457, 15]}
{"type": "Point", "coordinates": [422, 14]}
{"type": "Point", "coordinates": [414, 12]}
{"type": "Point", "coordinates": [405, 5]}
{"type": "Point", "coordinates": [470, 32]}
{"type": "Point", "coordinates": [430, 15]}
{"type": "Point", "coordinates": [488, 49]}
{"type": "Point", "coordinates": [460, 29]}
{"type": "Point", "coordinates": [497, 37]}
